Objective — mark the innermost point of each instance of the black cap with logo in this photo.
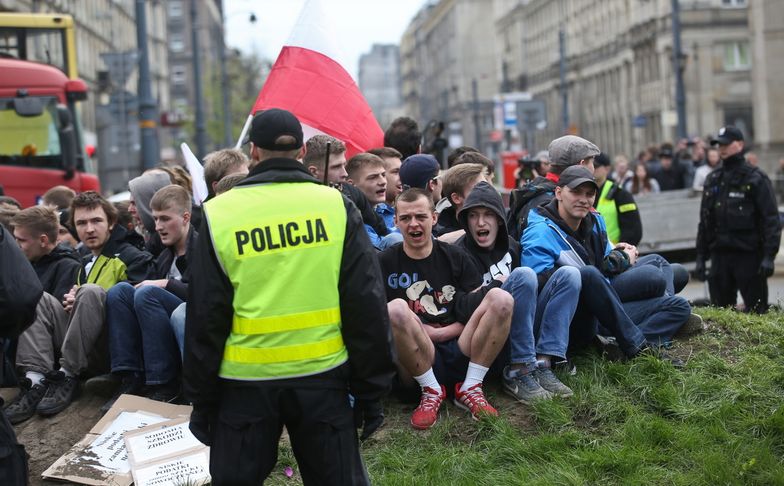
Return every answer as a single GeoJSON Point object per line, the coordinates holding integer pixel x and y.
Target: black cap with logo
{"type": "Point", "coordinates": [727, 135]}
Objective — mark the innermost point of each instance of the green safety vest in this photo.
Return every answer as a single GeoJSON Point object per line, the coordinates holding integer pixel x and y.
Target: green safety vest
{"type": "Point", "coordinates": [609, 211]}
{"type": "Point", "coordinates": [281, 246]}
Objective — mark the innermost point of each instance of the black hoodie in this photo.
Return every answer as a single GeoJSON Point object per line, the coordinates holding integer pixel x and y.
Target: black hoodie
{"type": "Point", "coordinates": [504, 256]}
{"type": "Point", "coordinates": [59, 270]}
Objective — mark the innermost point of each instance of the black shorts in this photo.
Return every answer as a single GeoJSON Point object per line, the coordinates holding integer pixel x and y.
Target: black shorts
{"type": "Point", "coordinates": [449, 366]}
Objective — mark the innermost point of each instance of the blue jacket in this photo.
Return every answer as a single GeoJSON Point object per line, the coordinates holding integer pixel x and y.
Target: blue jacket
{"type": "Point", "coordinates": [548, 243]}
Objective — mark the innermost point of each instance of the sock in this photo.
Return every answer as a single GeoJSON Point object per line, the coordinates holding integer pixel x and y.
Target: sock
{"type": "Point", "coordinates": [35, 377]}
{"type": "Point", "coordinates": [428, 379]}
{"type": "Point", "coordinates": [475, 374]}
{"type": "Point", "coordinates": [67, 373]}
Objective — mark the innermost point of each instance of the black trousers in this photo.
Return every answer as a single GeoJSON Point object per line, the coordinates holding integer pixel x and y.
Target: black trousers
{"type": "Point", "coordinates": [733, 271]}
{"type": "Point", "coordinates": [320, 425]}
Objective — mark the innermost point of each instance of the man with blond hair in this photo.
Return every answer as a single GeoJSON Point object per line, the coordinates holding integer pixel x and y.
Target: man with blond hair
{"type": "Point", "coordinates": [221, 163]}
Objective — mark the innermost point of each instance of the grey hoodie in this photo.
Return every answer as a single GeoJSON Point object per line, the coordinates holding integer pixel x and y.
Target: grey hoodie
{"type": "Point", "coordinates": [142, 189]}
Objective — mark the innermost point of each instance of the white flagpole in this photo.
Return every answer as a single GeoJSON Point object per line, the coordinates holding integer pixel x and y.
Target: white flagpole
{"type": "Point", "coordinates": [244, 131]}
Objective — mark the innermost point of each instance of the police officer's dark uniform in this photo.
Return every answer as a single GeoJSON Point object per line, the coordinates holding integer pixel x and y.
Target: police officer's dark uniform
{"type": "Point", "coordinates": [286, 317]}
{"type": "Point", "coordinates": [739, 230]}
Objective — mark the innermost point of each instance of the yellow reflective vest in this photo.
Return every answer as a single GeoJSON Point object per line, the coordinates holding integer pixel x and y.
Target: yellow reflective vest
{"type": "Point", "coordinates": [281, 246]}
{"type": "Point", "coordinates": [609, 212]}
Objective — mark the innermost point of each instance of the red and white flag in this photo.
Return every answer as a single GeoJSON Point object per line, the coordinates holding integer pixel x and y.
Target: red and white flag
{"type": "Point", "coordinates": [310, 79]}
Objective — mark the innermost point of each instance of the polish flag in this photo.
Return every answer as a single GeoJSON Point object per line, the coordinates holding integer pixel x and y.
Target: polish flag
{"type": "Point", "coordinates": [310, 79]}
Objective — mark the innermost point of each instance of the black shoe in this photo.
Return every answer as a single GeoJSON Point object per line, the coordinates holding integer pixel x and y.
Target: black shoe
{"type": "Point", "coordinates": [130, 384]}
{"type": "Point", "coordinates": [23, 406]}
{"type": "Point", "coordinates": [103, 385]}
{"type": "Point", "coordinates": [168, 392]}
{"type": "Point", "coordinates": [659, 353]}
{"type": "Point", "coordinates": [62, 391]}
{"type": "Point", "coordinates": [609, 348]}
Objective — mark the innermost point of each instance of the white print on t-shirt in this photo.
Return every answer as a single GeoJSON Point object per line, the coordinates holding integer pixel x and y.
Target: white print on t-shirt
{"type": "Point", "coordinates": [429, 302]}
{"type": "Point", "coordinates": [503, 267]}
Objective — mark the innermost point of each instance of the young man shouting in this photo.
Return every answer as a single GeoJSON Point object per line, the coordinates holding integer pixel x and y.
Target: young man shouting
{"type": "Point", "coordinates": [443, 328]}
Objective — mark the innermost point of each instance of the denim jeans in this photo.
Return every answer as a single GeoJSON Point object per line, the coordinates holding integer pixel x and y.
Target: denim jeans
{"type": "Point", "coordinates": [140, 336]}
{"type": "Point", "coordinates": [651, 276]}
{"type": "Point", "coordinates": [177, 322]}
{"type": "Point", "coordinates": [659, 318]}
{"type": "Point", "coordinates": [599, 303]}
{"type": "Point", "coordinates": [521, 284]}
{"type": "Point", "coordinates": [555, 308]}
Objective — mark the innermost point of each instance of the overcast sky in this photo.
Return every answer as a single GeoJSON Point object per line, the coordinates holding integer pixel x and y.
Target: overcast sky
{"type": "Point", "coordinates": [358, 24]}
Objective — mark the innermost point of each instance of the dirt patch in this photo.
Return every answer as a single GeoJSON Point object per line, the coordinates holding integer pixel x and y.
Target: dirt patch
{"type": "Point", "coordinates": [47, 438]}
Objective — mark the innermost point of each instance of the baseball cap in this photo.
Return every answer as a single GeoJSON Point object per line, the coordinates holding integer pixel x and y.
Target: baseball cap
{"type": "Point", "coordinates": [418, 169]}
{"type": "Point", "coordinates": [602, 160]}
{"type": "Point", "coordinates": [666, 152]}
{"type": "Point", "coordinates": [727, 135]}
{"type": "Point", "coordinates": [575, 175]}
{"type": "Point", "coordinates": [270, 124]}
{"type": "Point", "coordinates": [571, 149]}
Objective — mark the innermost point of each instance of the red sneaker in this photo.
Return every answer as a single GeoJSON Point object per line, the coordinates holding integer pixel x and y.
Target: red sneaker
{"type": "Point", "coordinates": [474, 401]}
{"type": "Point", "coordinates": [426, 414]}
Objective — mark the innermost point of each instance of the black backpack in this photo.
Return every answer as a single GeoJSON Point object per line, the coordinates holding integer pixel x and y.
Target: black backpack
{"type": "Point", "coordinates": [522, 200]}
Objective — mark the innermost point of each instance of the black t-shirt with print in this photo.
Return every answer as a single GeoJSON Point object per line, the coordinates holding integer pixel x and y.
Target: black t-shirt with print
{"type": "Point", "coordinates": [439, 288]}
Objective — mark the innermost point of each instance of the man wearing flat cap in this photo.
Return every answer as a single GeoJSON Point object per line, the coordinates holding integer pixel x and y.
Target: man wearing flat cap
{"type": "Point", "coordinates": [739, 228]}
{"type": "Point", "coordinates": [286, 317]}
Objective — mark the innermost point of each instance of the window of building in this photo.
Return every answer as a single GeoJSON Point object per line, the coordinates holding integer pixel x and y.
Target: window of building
{"type": "Point", "coordinates": [736, 56]}
{"type": "Point", "coordinates": [177, 43]}
{"type": "Point", "coordinates": [175, 8]}
{"type": "Point", "coordinates": [178, 74]}
{"type": "Point", "coordinates": [733, 3]}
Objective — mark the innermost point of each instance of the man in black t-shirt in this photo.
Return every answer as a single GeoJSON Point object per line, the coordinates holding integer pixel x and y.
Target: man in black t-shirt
{"type": "Point", "coordinates": [442, 321]}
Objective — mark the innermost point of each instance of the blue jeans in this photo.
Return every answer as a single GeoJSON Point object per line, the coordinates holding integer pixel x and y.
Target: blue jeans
{"type": "Point", "coordinates": [555, 308]}
{"type": "Point", "coordinates": [521, 284]}
{"type": "Point", "coordinates": [651, 276]}
{"type": "Point", "coordinates": [659, 318]}
{"type": "Point", "coordinates": [599, 303]}
{"type": "Point", "coordinates": [177, 322]}
{"type": "Point", "coordinates": [140, 336]}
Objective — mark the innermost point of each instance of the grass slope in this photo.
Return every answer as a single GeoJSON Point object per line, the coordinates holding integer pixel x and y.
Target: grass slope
{"type": "Point", "coordinates": [719, 421]}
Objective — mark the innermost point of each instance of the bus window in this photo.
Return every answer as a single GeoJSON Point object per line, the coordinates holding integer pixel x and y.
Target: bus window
{"type": "Point", "coordinates": [30, 141]}
{"type": "Point", "coordinates": [41, 45]}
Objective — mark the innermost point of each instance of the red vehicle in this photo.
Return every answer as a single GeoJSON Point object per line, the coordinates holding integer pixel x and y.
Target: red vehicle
{"type": "Point", "coordinates": [40, 134]}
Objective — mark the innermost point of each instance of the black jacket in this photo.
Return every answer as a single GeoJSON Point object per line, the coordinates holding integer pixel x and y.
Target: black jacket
{"type": "Point", "coordinates": [164, 262]}
{"type": "Point", "coordinates": [504, 256]}
{"type": "Point", "coordinates": [365, 323]}
{"type": "Point", "coordinates": [738, 211]}
{"type": "Point", "coordinates": [447, 218]}
{"type": "Point", "coordinates": [59, 270]}
{"type": "Point", "coordinates": [121, 255]}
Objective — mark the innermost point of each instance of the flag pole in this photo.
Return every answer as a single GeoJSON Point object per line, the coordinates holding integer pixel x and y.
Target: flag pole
{"type": "Point", "coordinates": [244, 131]}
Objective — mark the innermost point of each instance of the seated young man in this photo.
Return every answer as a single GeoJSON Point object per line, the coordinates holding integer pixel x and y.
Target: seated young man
{"type": "Point", "coordinates": [533, 346]}
{"type": "Point", "coordinates": [142, 345]}
{"type": "Point", "coordinates": [366, 172]}
{"type": "Point", "coordinates": [392, 161]}
{"type": "Point", "coordinates": [567, 232]}
{"type": "Point", "coordinates": [458, 182]}
{"type": "Point", "coordinates": [73, 329]}
{"type": "Point", "coordinates": [443, 327]}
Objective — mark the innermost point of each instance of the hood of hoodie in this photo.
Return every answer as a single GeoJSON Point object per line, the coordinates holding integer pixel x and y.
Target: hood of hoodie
{"type": "Point", "coordinates": [504, 256]}
{"type": "Point", "coordinates": [60, 252]}
{"type": "Point", "coordinates": [142, 189]}
{"type": "Point", "coordinates": [58, 270]}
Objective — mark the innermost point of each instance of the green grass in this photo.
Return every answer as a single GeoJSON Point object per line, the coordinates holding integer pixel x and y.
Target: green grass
{"type": "Point", "coordinates": [719, 421]}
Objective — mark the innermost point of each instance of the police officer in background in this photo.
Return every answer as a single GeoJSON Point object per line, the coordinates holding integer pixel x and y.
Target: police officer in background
{"type": "Point", "coordinates": [286, 318]}
{"type": "Point", "coordinates": [616, 205]}
{"type": "Point", "coordinates": [739, 228]}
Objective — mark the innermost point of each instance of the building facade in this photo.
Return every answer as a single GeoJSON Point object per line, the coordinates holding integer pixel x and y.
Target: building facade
{"type": "Point", "coordinates": [448, 70]}
{"type": "Point", "coordinates": [620, 83]}
{"type": "Point", "coordinates": [379, 81]}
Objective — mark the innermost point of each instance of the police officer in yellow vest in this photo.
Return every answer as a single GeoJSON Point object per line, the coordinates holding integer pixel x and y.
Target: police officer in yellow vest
{"type": "Point", "coordinates": [616, 205]}
{"type": "Point", "coordinates": [286, 318]}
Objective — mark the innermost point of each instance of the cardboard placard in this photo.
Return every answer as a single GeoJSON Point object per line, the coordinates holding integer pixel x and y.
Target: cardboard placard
{"type": "Point", "coordinates": [167, 453]}
{"type": "Point", "coordinates": [100, 458]}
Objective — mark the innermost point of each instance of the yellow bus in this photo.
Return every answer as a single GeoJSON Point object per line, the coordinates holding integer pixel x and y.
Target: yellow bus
{"type": "Point", "coordinates": [42, 37]}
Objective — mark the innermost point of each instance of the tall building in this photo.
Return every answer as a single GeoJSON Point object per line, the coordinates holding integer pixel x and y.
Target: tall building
{"type": "Point", "coordinates": [448, 69]}
{"type": "Point", "coordinates": [209, 31]}
{"type": "Point", "coordinates": [379, 81]}
{"type": "Point", "coordinates": [620, 83]}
